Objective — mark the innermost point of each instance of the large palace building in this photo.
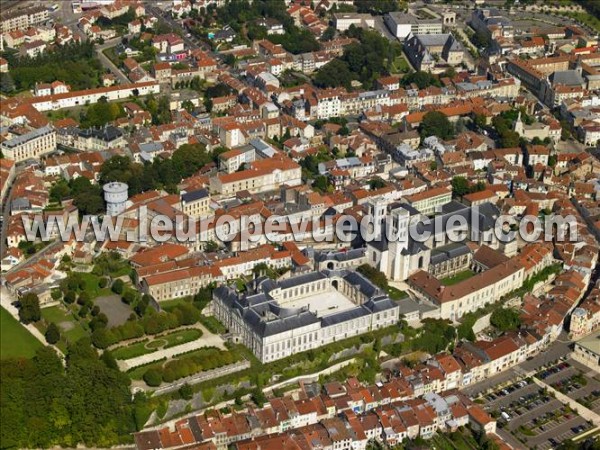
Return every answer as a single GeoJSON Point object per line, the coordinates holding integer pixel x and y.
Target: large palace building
{"type": "Point", "coordinates": [276, 319]}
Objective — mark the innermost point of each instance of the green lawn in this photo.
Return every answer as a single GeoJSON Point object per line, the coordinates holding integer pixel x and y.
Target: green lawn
{"type": "Point", "coordinates": [132, 351]}
{"type": "Point", "coordinates": [460, 276]}
{"type": "Point", "coordinates": [168, 305]}
{"type": "Point", "coordinates": [123, 271]}
{"type": "Point", "coordinates": [15, 340]}
{"type": "Point", "coordinates": [212, 324]}
{"type": "Point", "coordinates": [138, 372]}
{"type": "Point", "coordinates": [442, 442]}
{"type": "Point", "coordinates": [71, 330]}
{"type": "Point", "coordinates": [92, 287]}
{"type": "Point", "coordinates": [56, 314]}
{"type": "Point", "coordinates": [181, 337]}
{"type": "Point", "coordinates": [145, 347]}
{"type": "Point", "coordinates": [400, 65]}
{"type": "Point", "coordinates": [396, 294]}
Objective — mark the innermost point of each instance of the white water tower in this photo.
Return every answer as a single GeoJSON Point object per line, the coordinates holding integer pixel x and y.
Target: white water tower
{"type": "Point", "coordinates": [115, 195]}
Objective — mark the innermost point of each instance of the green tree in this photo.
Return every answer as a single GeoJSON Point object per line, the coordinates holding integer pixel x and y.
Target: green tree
{"type": "Point", "coordinates": [130, 296]}
{"type": "Point", "coordinates": [481, 39]}
{"type": "Point", "coordinates": [203, 297]}
{"type": "Point", "coordinates": [375, 276]}
{"type": "Point", "coordinates": [365, 61]}
{"type": "Point", "coordinates": [7, 84]}
{"type": "Point", "coordinates": [101, 113]}
{"type": "Point", "coordinates": [29, 308]}
{"type": "Point", "coordinates": [328, 34]}
{"type": "Point", "coordinates": [421, 79]}
{"type": "Point", "coordinates": [102, 338]}
{"type": "Point", "coordinates": [188, 158]}
{"type": "Point", "coordinates": [52, 334]}
{"type": "Point", "coordinates": [565, 133]}
{"type": "Point", "coordinates": [45, 404]}
{"type": "Point", "coordinates": [378, 7]}
{"type": "Point", "coordinates": [460, 186]}
{"type": "Point", "coordinates": [509, 139]}
{"type": "Point", "coordinates": [334, 73]}
{"type": "Point", "coordinates": [230, 60]}
{"type": "Point", "coordinates": [186, 392]}
{"type": "Point", "coordinates": [164, 111]}
{"type": "Point", "coordinates": [480, 120]}
{"type": "Point", "coordinates": [89, 203]}
{"type": "Point", "coordinates": [437, 124]}
{"type": "Point", "coordinates": [376, 183]}
{"type": "Point", "coordinates": [505, 319]}
{"type": "Point", "coordinates": [70, 297]}
{"type": "Point", "coordinates": [118, 286]}
{"type": "Point", "coordinates": [321, 184]}
{"type": "Point", "coordinates": [211, 247]}
{"type": "Point", "coordinates": [434, 336]}
{"type": "Point", "coordinates": [188, 106]}
{"type": "Point", "coordinates": [258, 397]}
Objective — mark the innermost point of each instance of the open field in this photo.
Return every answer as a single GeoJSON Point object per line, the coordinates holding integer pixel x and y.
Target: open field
{"type": "Point", "coordinates": [15, 340]}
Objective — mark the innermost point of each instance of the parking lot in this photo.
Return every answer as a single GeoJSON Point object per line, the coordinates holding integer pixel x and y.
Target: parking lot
{"type": "Point", "coordinates": [533, 416]}
{"type": "Point", "coordinates": [556, 351]}
{"type": "Point", "coordinates": [578, 382]}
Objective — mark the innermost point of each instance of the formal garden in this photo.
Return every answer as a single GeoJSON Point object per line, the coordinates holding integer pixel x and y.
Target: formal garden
{"type": "Point", "coordinates": [161, 342]}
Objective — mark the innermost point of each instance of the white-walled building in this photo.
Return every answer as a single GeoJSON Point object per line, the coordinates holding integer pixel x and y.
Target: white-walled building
{"type": "Point", "coordinates": [402, 24]}
{"type": "Point", "coordinates": [91, 96]}
{"type": "Point", "coordinates": [281, 318]}
{"type": "Point", "coordinates": [33, 144]}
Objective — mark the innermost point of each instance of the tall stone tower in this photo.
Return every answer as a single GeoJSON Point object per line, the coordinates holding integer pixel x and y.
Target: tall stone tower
{"type": "Point", "coordinates": [399, 260]}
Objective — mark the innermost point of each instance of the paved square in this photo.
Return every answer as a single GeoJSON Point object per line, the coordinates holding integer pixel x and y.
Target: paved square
{"type": "Point", "coordinates": [322, 304]}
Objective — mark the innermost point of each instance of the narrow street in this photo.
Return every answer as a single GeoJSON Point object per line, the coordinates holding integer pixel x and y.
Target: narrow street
{"type": "Point", "coordinates": [107, 63]}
